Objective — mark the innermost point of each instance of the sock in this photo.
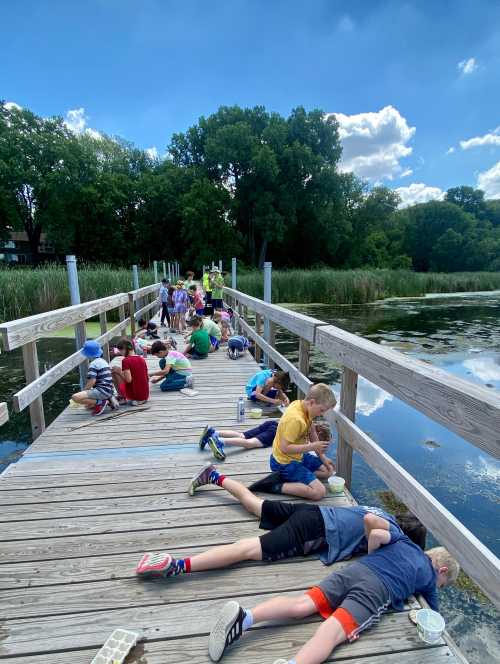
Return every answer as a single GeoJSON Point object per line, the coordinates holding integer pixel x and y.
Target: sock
{"type": "Point", "coordinates": [216, 478]}
{"type": "Point", "coordinates": [247, 620]}
{"type": "Point", "coordinates": [181, 566]}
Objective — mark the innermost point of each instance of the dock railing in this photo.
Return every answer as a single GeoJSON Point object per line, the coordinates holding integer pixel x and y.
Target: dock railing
{"type": "Point", "coordinates": [469, 410]}
{"type": "Point", "coordinates": [25, 332]}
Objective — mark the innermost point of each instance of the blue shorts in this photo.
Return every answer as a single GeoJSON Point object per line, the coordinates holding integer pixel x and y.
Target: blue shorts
{"type": "Point", "coordinates": [264, 433]}
{"type": "Point", "coordinates": [272, 394]}
{"type": "Point", "coordinates": [298, 471]}
{"type": "Point", "coordinates": [214, 342]}
{"type": "Point", "coordinates": [199, 312]}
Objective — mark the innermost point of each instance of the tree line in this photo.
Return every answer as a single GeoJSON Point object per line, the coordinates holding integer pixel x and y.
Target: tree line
{"type": "Point", "coordinates": [242, 182]}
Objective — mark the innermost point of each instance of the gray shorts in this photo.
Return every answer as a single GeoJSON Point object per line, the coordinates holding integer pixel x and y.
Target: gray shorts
{"type": "Point", "coordinates": [97, 395]}
{"type": "Point", "coordinates": [359, 591]}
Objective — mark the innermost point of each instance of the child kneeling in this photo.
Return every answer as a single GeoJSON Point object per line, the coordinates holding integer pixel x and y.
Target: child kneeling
{"type": "Point", "coordinates": [175, 369]}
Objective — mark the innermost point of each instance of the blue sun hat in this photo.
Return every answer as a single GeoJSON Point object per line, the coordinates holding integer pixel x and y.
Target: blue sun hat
{"type": "Point", "coordinates": [91, 349]}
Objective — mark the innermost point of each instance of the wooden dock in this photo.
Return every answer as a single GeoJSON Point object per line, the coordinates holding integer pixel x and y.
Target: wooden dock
{"type": "Point", "coordinates": [85, 502]}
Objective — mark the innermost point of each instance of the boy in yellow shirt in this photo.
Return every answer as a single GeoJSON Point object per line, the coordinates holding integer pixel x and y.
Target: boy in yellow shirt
{"type": "Point", "coordinates": [296, 437]}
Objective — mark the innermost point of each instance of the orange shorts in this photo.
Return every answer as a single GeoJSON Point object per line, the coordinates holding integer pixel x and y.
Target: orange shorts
{"type": "Point", "coordinates": [349, 625]}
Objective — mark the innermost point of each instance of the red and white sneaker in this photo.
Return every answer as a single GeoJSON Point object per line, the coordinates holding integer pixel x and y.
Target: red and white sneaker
{"type": "Point", "coordinates": [154, 565]}
{"type": "Point", "coordinates": [100, 407]}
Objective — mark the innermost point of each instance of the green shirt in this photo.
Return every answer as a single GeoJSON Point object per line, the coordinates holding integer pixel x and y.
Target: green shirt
{"type": "Point", "coordinates": [212, 328]}
{"type": "Point", "coordinates": [200, 341]}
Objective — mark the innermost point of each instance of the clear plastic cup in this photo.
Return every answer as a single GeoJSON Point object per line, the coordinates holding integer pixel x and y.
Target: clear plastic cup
{"type": "Point", "coordinates": [430, 625]}
{"type": "Point", "coordinates": [336, 484]}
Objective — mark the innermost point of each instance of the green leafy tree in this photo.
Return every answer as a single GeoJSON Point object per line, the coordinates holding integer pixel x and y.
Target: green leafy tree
{"type": "Point", "coordinates": [469, 199]}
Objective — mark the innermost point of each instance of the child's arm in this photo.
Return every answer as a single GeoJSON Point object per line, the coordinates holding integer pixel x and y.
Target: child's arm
{"type": "Point", "coordinates": [288, 447]}
{"type": "Point", "coordinates": [283, 398]}
{"type": "Point", "coordinates": [260, 396]}
{"type": "Point", "coordinates": [89, 384]}
{"type": "Point", "coordinates": [376, 531]}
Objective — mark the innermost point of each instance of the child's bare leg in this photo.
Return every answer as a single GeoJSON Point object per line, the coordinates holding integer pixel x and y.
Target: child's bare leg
{"type": "Point", "coordinates": [250, 444]}
{"type": "Point", "coordinates": [229, 433]}
{"type": "Point", "coordinates": [313, 491]}
{"type": "Point", "coordinates": [281, 607]}
{"type": "Point", "coordinates": [328, 636]}
{"type": "Point", "coordinates": [376, 531]}
{"type": "Point", "coordinates": [323, 473]}
{"type": "Point", "coordinates": [244, 496]}
{"type": "Point", "coordinates": [229, 554]}
{"type": "Point", "coordinates": [81, 397]}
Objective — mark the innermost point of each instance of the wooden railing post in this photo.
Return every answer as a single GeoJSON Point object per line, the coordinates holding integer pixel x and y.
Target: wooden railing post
{"type": "Point", "coordinates": [271, 341]}
{"type": "Point", "coordinates": [4, 413]}
{"type": "Point", "coordinates": [103, 322]}
{"type": "Point", "coordinates": [30, 359]}
{"type": "Point", "coordinates": [131, 309]}
{"type": "Point", "coordinates": [258, 329]}
{"type": "Point", "coordinates": [348, 394]}
{"type": "Point", "coordinates": [304, 356]}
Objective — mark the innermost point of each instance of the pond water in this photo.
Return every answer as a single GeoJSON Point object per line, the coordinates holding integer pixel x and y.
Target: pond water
{"type": "Point", "coordinates": [460, 334]}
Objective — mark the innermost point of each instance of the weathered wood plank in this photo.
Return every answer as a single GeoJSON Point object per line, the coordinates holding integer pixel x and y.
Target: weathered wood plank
{"type": "Point", "coordinates": [348, 394]}
{"type": "Point", "coordinates": [469, 410]}
{"type": "Point", "coordinates": [145, 290]}
{"type": "Point", "coordinates": [31, 371]}
{"type": "Point", "coordinates": [300, 324]}
{"type": "Point", "coordinates": [476, 559]}
{"type": "Point", "coordinates": [145, 309]}
{"type": "Point", "coordinates": [4, 413]}
{"type": "Point", "coordinates": [19, 332]}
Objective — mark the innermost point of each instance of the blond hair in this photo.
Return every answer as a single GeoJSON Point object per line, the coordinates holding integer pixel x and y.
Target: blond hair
{"type": "Point", "coordinates": [323, 431]}
{"type": "Point", "coordinates": [441, 557]}
{"type": "Point", "coordinates": [322, 394]}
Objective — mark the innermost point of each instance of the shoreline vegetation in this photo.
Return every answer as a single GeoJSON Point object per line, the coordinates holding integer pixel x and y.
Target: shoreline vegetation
{"type": "Point", "coordinates": [29, 291]}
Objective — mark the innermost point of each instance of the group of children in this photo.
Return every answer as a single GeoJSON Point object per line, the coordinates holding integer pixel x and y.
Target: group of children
{"type": "Point", "coordinates": [394, 564]}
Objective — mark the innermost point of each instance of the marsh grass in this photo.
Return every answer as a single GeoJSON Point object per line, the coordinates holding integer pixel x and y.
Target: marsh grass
{"type": "Point", "coordinates": [326, 286]}
{"type": "Point", "coordinates": [28, 291]}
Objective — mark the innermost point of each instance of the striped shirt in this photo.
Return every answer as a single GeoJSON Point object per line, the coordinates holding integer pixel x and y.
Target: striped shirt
{"type": "Point", "coordinates": [178, 362]}
{"type": "Point", "coordinates": [99, 370]}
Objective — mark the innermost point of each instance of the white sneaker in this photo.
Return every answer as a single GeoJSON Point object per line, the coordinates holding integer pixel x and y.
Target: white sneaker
{"type": "Point", "coordinates": [189, 382]}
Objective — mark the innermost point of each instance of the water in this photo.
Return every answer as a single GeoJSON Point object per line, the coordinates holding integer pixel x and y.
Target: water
{"type": "Point", "coordinates": [459, 334]}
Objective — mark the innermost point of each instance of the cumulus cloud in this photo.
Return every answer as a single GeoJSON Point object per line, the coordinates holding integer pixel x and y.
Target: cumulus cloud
{"type": "Point", "coordinates": [450, 150]}
{"type": "Point", "coordinates": [374, 143]}
{"type": "Point", "coordinates": [76, 120]}
{"type": "Point", "coordinates": [152, 152]}
{"type": "Point", "coordinates": [417, 192]}
{"type": "Point", "coordinates": [467, 66]}
{"type": "Point", "coordinates": [489, 181]}
{"type": "Point", "coordinates": [492, 138]}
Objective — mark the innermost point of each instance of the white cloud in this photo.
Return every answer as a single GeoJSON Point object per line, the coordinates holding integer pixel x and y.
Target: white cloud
{"type": "Point", "coordinates": [346, 24]}
{"type": "Point", "coordinates": [484, 368]}
{"type": "Point", "coordinates": [152, 152]}
{"type": "Point", "coordinates": [370, 397]}
{"type": "Point", "coordinates": [76, 121]}
{"type": "Point", "coordinates": [417, 192]}
{"type": "Point", "coordinates": [467, 66]}
{"type": "Point", "coordinates": [450, 150]}
{"type": "Point", "coordinates": [374, 143]}
{"type": "Point", "coordinates": [406, 173]}
{"type": "Point", "coordinates": [489, 181]}
{"type": "Point", "coordinates": [9, 105]}
{"type": "Point", "coordinates": [492, 138]}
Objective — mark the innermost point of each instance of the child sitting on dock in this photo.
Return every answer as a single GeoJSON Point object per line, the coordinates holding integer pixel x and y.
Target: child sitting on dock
{"type": "Point", "coordinates": [147, 329]}
{"type": "Point", "coordinates": [300, 471]}
{"type": "Point", "coordinates": [350, 600]}
{"type": "Point", "coordinates": [269, 387]}
{"type": "Point", "coordinates": [260, 436]}
{"type": "Point", "coordinates": [98, 390]}
{"type": "Point", "coordinates": [198, 343]}
{"type": "Point", "coordinates": [295, 529]}
{"type": "Point", "coordinates": [131, 379]}
{"type": "Point", "coordinates": [175, 369]}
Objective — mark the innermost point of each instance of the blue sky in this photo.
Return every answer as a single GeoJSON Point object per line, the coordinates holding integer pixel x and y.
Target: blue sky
{"type": "Point", "coordinates": [391, 70]}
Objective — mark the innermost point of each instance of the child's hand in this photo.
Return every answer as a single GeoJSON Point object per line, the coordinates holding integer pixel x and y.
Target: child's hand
{"type": "Point", "coordinates": [330, 466]}
{"type": "Point", "coordinates": [320, 446]}
{"type": "Point", "coordinates": [155, 379]}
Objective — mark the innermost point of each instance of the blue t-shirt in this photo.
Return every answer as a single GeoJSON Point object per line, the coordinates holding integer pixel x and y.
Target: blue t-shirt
{"type": "Point", "coordinates": [404, 569]}
{"type": "Point", "coordinates": [163, 294]}
{"type": "Point", "coordinates": [345, 531]}
{"type": "Point", "coordinates": [257, 380]}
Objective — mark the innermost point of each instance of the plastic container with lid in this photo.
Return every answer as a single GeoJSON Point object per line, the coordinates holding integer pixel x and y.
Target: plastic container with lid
{"type": "Point", "coordinates": [430, 625]}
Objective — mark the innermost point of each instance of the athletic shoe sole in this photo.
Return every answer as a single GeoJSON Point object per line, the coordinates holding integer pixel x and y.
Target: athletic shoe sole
{"type": "Point", "coordinates": [192, 488]}
{"type": "Point", "coordinates": [216, 451]}
{"type": "Point", "coordinates": [222, 627]}
{"type": "Point", "coordinates": [153, 565]}
{"type": "Point", "coordinates": [201, 441]}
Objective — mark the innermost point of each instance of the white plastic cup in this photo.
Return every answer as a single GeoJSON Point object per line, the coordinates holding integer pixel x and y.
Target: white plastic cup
{"type": "Point", "coordinates": [336, 484]}
{"type": "Point", "coordinates": [430, 625]}
{"type": "Point", "coordinates": [256, 413]}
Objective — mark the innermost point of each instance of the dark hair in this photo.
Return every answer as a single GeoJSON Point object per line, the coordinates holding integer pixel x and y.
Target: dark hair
{"type": "Point", "coordinates": [171, 290]}
{"type": "Point", "coordinates": [157, 347]}
{"type": "Point", "coordinates": [164, 281]}
{"type": "Point", "coordinates": [127, 345]}
{"type": "Point", "coordinates": [193, 287]}
{"type": "Point", "coordinates": [412, 527]}
{"type": "Point", "coordinates": [282, 379]}
{"type": "Point", "coordinates": [142, 322]}
{"type": "Point", "coordinates": [151, 325]}
{"type": "Point", "coordinates": [196, 321]}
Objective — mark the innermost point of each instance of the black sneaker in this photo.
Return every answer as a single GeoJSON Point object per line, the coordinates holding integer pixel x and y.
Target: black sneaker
{"type": "Point", "coordinates": [269, 484]}
{"type": "Point", "coordinates": [228, 628]}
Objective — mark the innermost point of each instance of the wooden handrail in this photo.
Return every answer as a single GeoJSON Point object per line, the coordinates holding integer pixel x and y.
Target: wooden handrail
{"type": "Point", "coordinates": [145, 290]}
{"type": "Point", "coordinates": [19, 332]}
{"type": "Point", "coordinates": [4, 413]}
{"type": "Point", "coordinates": [300, 324]}
{"type": "Point", "coordinates": [476, 559]}
{"type": "Point", "coordinates": [471, 411]}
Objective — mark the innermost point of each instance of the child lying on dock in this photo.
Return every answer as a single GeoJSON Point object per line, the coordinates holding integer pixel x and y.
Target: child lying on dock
{"type": "Point", "coordinates": [296, 529]}
{"type": "Point", "coordinates": [350, 600]}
